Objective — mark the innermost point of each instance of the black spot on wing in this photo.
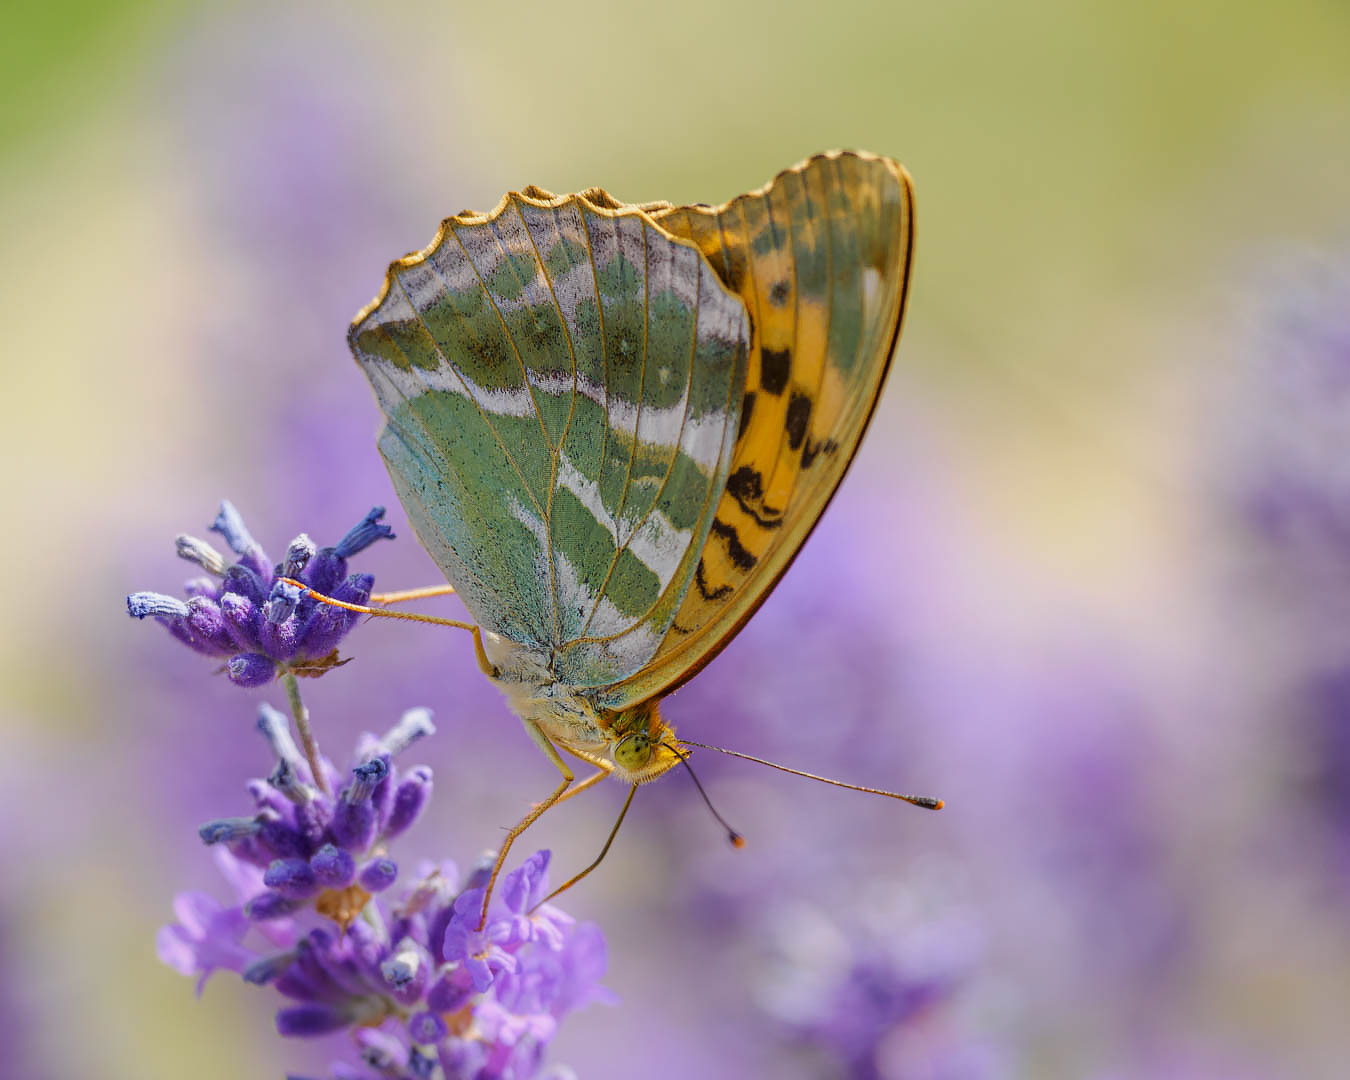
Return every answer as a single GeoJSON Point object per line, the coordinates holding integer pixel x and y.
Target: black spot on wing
{"type": "Point", "coordinates": [746, 486]}
{"type": "Point", "coordinates": [740, 557]}
{"type": "Point", "coordinates": [779, 293]}
{"type": "Point", "coordinates": [810, 450]}
{"type": "Point", "coordinates": [798, 417]}
{"type": "Point", "coordinates": [774, 366]}
{"type": "Point", "coordinates": [701, 582]}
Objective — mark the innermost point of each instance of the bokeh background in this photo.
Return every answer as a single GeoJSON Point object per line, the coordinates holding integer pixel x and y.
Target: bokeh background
{"type": "Point", "coordinates": [1088, 580]}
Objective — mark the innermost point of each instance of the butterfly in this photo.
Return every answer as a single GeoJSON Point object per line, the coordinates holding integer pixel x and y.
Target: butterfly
{"type": "Point", "coordinates": [613, 427]}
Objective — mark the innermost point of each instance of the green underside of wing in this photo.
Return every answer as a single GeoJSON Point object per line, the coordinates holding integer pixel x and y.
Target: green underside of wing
{"type": "Point", "coordinates": [561, 385]}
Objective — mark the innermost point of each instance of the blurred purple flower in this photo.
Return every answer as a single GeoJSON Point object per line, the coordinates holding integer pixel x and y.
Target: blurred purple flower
{"type": "Point", "coordinates": [1288, 432]}
{"type": "Point", "coordinates": [249, 612]}
{"type": "Point", "coordinates": [871, 982]}
{"type": "Point", "coordinates": [1284, 479]}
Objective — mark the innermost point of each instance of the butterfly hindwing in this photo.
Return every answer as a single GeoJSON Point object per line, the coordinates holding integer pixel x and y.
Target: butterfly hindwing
{"type": "Point", "coordinates": [821, 256]}
{"type": "Point", "coordinates": [562, 383]}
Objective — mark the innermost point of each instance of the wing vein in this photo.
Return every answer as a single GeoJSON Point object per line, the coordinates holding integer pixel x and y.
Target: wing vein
{"type": "Point", "coordinates": [524, 373]}
{"type": "Point", "coordinates": [670, 470]}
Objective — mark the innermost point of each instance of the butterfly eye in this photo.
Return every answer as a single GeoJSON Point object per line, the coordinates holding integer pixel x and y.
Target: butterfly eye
{"type": "Point", "coordinates": [633, 752]}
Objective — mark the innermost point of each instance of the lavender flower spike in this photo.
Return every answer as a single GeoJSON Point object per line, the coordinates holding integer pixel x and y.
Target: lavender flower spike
{"type": "Point", "coordinates": [390, 963]}
{"type": "Point", "coordinates": [260, 625]}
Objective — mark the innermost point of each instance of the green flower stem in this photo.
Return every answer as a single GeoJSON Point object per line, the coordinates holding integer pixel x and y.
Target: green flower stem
{"type": "Point", "coordinates": [301, 716]}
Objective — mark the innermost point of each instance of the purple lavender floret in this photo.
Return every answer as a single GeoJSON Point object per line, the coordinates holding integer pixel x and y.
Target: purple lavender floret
{"type": "Point", "coordinates": [244, 614]}
{"type": "Point", "coordinates": [323, 915]}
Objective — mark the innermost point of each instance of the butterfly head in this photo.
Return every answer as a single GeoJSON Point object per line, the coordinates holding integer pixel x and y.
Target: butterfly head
{"type": "Point", "coordinates": [640, 744]}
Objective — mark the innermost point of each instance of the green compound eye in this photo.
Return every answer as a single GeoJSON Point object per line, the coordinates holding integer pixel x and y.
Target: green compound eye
{"type": "Point", "coordinates": [633, 752]}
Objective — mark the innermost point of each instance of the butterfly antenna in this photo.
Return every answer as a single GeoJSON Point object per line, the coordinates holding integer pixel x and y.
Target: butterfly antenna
{"type": "Point", "coordinates": [925, 801]}
{"type": "Point", "coordinates": [737, 840]}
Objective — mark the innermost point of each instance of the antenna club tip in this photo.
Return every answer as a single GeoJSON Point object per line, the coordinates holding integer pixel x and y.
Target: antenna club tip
{"type": "Point", "coordinates": [737, 840]}
{"type": "Point", "coordinates": [938, 804]}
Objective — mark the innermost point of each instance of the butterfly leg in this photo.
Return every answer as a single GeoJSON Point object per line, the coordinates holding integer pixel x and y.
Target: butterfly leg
{"type": "Point", "coordinates": [589, 782]}
{"type": "Point", "coordinates": [551, 752]}
{"type": "Point", "coordinates": [599, 858]}
{"type": "Point", "coordinates": [484, 664]}
{"type": "Point", "coordinates": [424, 593]}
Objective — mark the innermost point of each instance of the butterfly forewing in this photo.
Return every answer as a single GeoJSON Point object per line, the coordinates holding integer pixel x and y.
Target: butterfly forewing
{"type": "Point", "coordinates": [821, 257]}
{"type": "Point", "coordinates": [562, 383]}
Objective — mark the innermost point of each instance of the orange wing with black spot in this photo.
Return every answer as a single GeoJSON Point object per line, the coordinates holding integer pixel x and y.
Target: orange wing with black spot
{"type": "Point", "coordinates": [821, 256]}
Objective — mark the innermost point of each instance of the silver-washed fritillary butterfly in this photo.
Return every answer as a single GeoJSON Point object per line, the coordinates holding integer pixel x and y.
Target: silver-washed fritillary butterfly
{"type": "Point", "coordinates": [613, 426]}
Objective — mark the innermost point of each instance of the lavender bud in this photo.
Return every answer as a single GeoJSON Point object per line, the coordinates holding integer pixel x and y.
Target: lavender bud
{"type": "Point", "coordinates": [333, 867]}
{"type": "Point", "coordinates": [354, 818]}
{"type": "Point", "coordinates": [365, 778]}
{"type": "Point", "coordinates": [279, 837]}
{"type": "Point", "coordinates": [242, 619]}
{"type": "Point", "coordinates": [284, 779]}
{"type": "Point", "coordinates": [240, 579]}
{"type": "Point", "coordinates": [325, 569]}
{"type": "Point", "coordinates": [407, 970]}
{"type": "Point", "coordinates": [301, 984]}
{"type": "Point", "coordinates": [328, 624]}
{"type": "Point", "coordinates": [180, 630]}
{"type": "Point", "coordinates": [281, 603]}
{"type": "Point", "coordinates": [378, 874]}
{"type": "Point", "coordinates": [302, 549]}
{"type": "Point", "coordinates": [311, 820]}
{"type": "Point", "coordinates": [271, 905]}
{"type": "Point", "coordinates": [280, 639]}
{"type": "Point", "coordinates": [266, 968]}
{"type": "Point", "coordinates": [230, 525]}
{"type": "Point", "coordinates": [291, 877]}
{"type": "Point", "coordinates": [354, 589]}
{"type": "Point", "coordinates": [250, 669]}
{"type": "Point", "coordinates": [409, 801]}
{"type": "Point", "coordinates": [266, 797]}
{"type": "Point", "coordinates": [201, 553]}
{"type": "Point", "coordinates": [313, 1019]}
{"type": "Point", "coordinates": [228, 830]}
{"type": "Point", "coordinates": [363, 534]}
{"type": "Point", "coordinates": [412, 725]}
{"type": "Point", "coordinates": [142, 604]}
{"type": "Point", "coordinates": [276, 730]}
{"type": "Point", "coordinates": [207, 621]}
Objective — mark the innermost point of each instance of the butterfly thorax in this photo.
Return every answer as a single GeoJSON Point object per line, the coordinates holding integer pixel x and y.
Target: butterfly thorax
{"type": "Point", "coordinates": [636, 741]}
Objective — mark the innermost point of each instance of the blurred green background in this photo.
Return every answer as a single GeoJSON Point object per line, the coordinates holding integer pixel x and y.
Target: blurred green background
{"type": "Point", "coordinates": [1097, 185]}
